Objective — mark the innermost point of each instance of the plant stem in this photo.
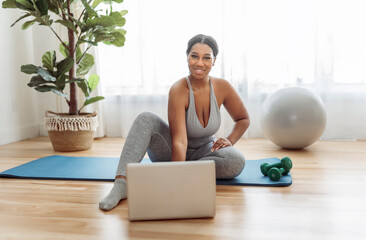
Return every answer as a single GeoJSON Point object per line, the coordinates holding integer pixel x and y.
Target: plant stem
{"type": "Point", "coordinates": [81, 108]}
{"type": "Point", "coordinates": [61, 9]}
{"type": "Point", "coordinates": [59, 37]}
{"type": "Point", "coordinates": [73, 107]}
{"type": "Point", "coordinates": [82, 13]}
{"type": "Point", "coordinates": [84, 53]}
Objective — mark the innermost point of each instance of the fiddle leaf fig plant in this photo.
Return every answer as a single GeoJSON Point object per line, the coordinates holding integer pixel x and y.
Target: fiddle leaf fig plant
{"type": "Point", "coordinates": [87, 25]}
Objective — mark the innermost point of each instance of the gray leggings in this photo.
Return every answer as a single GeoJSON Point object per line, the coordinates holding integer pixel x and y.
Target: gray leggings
{"type": "Point", "coordinates": [149, 133]}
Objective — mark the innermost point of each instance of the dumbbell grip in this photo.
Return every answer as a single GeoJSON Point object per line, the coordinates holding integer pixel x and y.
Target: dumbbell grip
{"type": "Point", "coordinates": [276, 165]}
{"type": "Point", "coordinates": [265, 169]}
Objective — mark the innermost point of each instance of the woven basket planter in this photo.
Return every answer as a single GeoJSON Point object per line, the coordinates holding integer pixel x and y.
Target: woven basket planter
{"type": "Point", "coordinates": [71, 133]}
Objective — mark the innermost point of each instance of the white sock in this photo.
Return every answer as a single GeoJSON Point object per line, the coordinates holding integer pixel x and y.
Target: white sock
{"type": "Point", "coordinates": [118, 192]}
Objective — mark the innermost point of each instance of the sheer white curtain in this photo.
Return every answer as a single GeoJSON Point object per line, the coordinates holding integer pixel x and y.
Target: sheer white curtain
{"type": "Point", "coordinates": [264, 45]}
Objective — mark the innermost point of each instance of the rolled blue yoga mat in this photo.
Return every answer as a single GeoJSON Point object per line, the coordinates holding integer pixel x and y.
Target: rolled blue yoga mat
{"type": "Point", "coordinates": [58, 167]}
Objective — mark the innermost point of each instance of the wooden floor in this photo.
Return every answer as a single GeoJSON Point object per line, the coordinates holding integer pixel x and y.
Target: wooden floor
{"type": "Point", "coordinates": [327, 199]}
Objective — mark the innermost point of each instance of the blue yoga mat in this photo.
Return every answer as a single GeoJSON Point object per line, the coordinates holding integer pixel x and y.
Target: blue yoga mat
{"type": "Point", "coordinates": [104, 169]}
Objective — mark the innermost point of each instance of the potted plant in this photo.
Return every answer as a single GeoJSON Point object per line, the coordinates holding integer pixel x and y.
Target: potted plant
{"type": "Point", "coordinates": [86, 27]}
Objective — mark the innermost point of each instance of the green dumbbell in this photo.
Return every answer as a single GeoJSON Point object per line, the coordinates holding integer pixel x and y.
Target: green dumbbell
{"type": "Point", "coordinates": [285, 163]}
{"type": "Point", "coordinates": [275, 173]}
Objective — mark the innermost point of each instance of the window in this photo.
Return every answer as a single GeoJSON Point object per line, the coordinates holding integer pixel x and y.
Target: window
{"type": "Point", "coordinates": [264, 44]}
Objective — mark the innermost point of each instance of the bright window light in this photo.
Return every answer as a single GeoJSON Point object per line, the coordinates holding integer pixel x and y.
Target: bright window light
{"type": "Point", "coordinates": [264, 43]}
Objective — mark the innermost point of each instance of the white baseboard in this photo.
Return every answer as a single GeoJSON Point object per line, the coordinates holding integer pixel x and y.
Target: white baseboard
{"type": "Point", "coordinates": [42, 130]}
{"type": "Point", "coordinates": [19, 133]}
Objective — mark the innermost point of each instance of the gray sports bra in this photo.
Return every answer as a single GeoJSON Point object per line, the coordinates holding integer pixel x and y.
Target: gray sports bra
{"type": "Point", "coordinates": [194, 127]}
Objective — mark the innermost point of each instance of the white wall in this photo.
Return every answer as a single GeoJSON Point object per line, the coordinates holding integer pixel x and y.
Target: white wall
{"type": "Point", "coordinates": [21, 107]}
{"type": "Point", "coordinates": [18, 103]}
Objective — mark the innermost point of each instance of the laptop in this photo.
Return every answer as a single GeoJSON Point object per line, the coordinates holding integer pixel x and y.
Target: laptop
{"type": "Point", "coordinates": [171, 190]}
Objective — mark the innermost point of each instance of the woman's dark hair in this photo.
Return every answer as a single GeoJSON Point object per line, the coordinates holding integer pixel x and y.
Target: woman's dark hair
{"type": "Point", "coordinates": [204, 39]}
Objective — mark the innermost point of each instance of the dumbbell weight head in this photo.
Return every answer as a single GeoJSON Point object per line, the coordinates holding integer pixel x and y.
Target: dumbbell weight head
{"type": "Point", "coordinates": [265, 167]}
{"type": "Point", "coordinates": [275, 173]}
{"type": "Point", "coordinates": [286, 164]}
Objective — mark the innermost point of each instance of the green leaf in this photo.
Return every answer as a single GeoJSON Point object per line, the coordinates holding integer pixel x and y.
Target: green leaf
{"type": "Point", "coordinates": [68, 24]}
{"type": "Point", "coordinates": [96, 3]}
{"type": "Point", "coordinates": [93, 82]}
{"type": "Point", "coordinates": [53, 6]}
{"type": "Point", "coordinates": [122, 31]}
{"type": "Point", "coordinates": [90, 42]}
{"type": "Point", "coordinates": [28, 24]}
{"type": "Point", "coordinates": [89, 10]}
{"type": "Point", "coordinates": [24, 16]}
{"type": "Point", "coordinates": [76, 80]}
{"type": "Point", "coordinates": [61, 82]}
{"type": "Point", "coordinates": [35, 81]}
{"type": "Point", "coordinates": [59, 93]}
{"type": "Point", "coordinates": [119, 38]}
{"type": "Point", "coordinates": [83, 85]}
{"type": "Point", "coordinates": [29, 69]}
{"type": "Point", "coordinates": [46, 75]}
{"type": "Point", "coordinates": [45, 88]}
{"type": "Point", "coordinates": [25, 5]}
{"type": "Point", "coordinates": [93, 100]}
{"type": "Point", "coordinates": [79, 23]}
{"type": "Point", "coordinates": [44, 20]}
{"type": "Point", "coordinates": [103, 37]}
{"type": "Point", "coordinates": [42, 6]}
{"type": "Point", "coordinates": [123, 12]}
{"type": "Point", "coordinates": [64, 51]}
{"type": "Point", "coordinates": [85, 65]}
{"type": "Point", "coordinates": [118, 19]}
{"type": "Point", "coordinates": [49, 60]}
{"type": "Point", "coordinates": [103, 21]}
{"type": "Point", "coordinates": [64, 66]}
{"type": "Point", "coordinates": [9, 4]}
{"type": "Point", "coordinates": [78, 54]}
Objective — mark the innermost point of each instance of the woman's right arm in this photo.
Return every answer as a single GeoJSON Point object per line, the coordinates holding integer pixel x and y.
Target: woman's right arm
{"type": "Point", "coordinates": [177, 122]}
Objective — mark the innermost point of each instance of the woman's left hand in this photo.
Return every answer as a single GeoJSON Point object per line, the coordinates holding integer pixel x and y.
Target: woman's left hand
{"type": "Point", "coordinates": [220, 143]}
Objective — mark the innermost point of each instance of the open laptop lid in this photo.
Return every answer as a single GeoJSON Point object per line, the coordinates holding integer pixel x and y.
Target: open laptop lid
{"type": "Point", "coordinates": [171, 190]}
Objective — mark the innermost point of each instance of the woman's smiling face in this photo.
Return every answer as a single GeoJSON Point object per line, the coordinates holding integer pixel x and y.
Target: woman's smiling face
{"type": "Point", "coordinates": [200, 60]}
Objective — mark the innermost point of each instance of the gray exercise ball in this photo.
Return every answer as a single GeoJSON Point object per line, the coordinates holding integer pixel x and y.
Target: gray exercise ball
{"type": "Point", "coordinates": [293, 117]}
